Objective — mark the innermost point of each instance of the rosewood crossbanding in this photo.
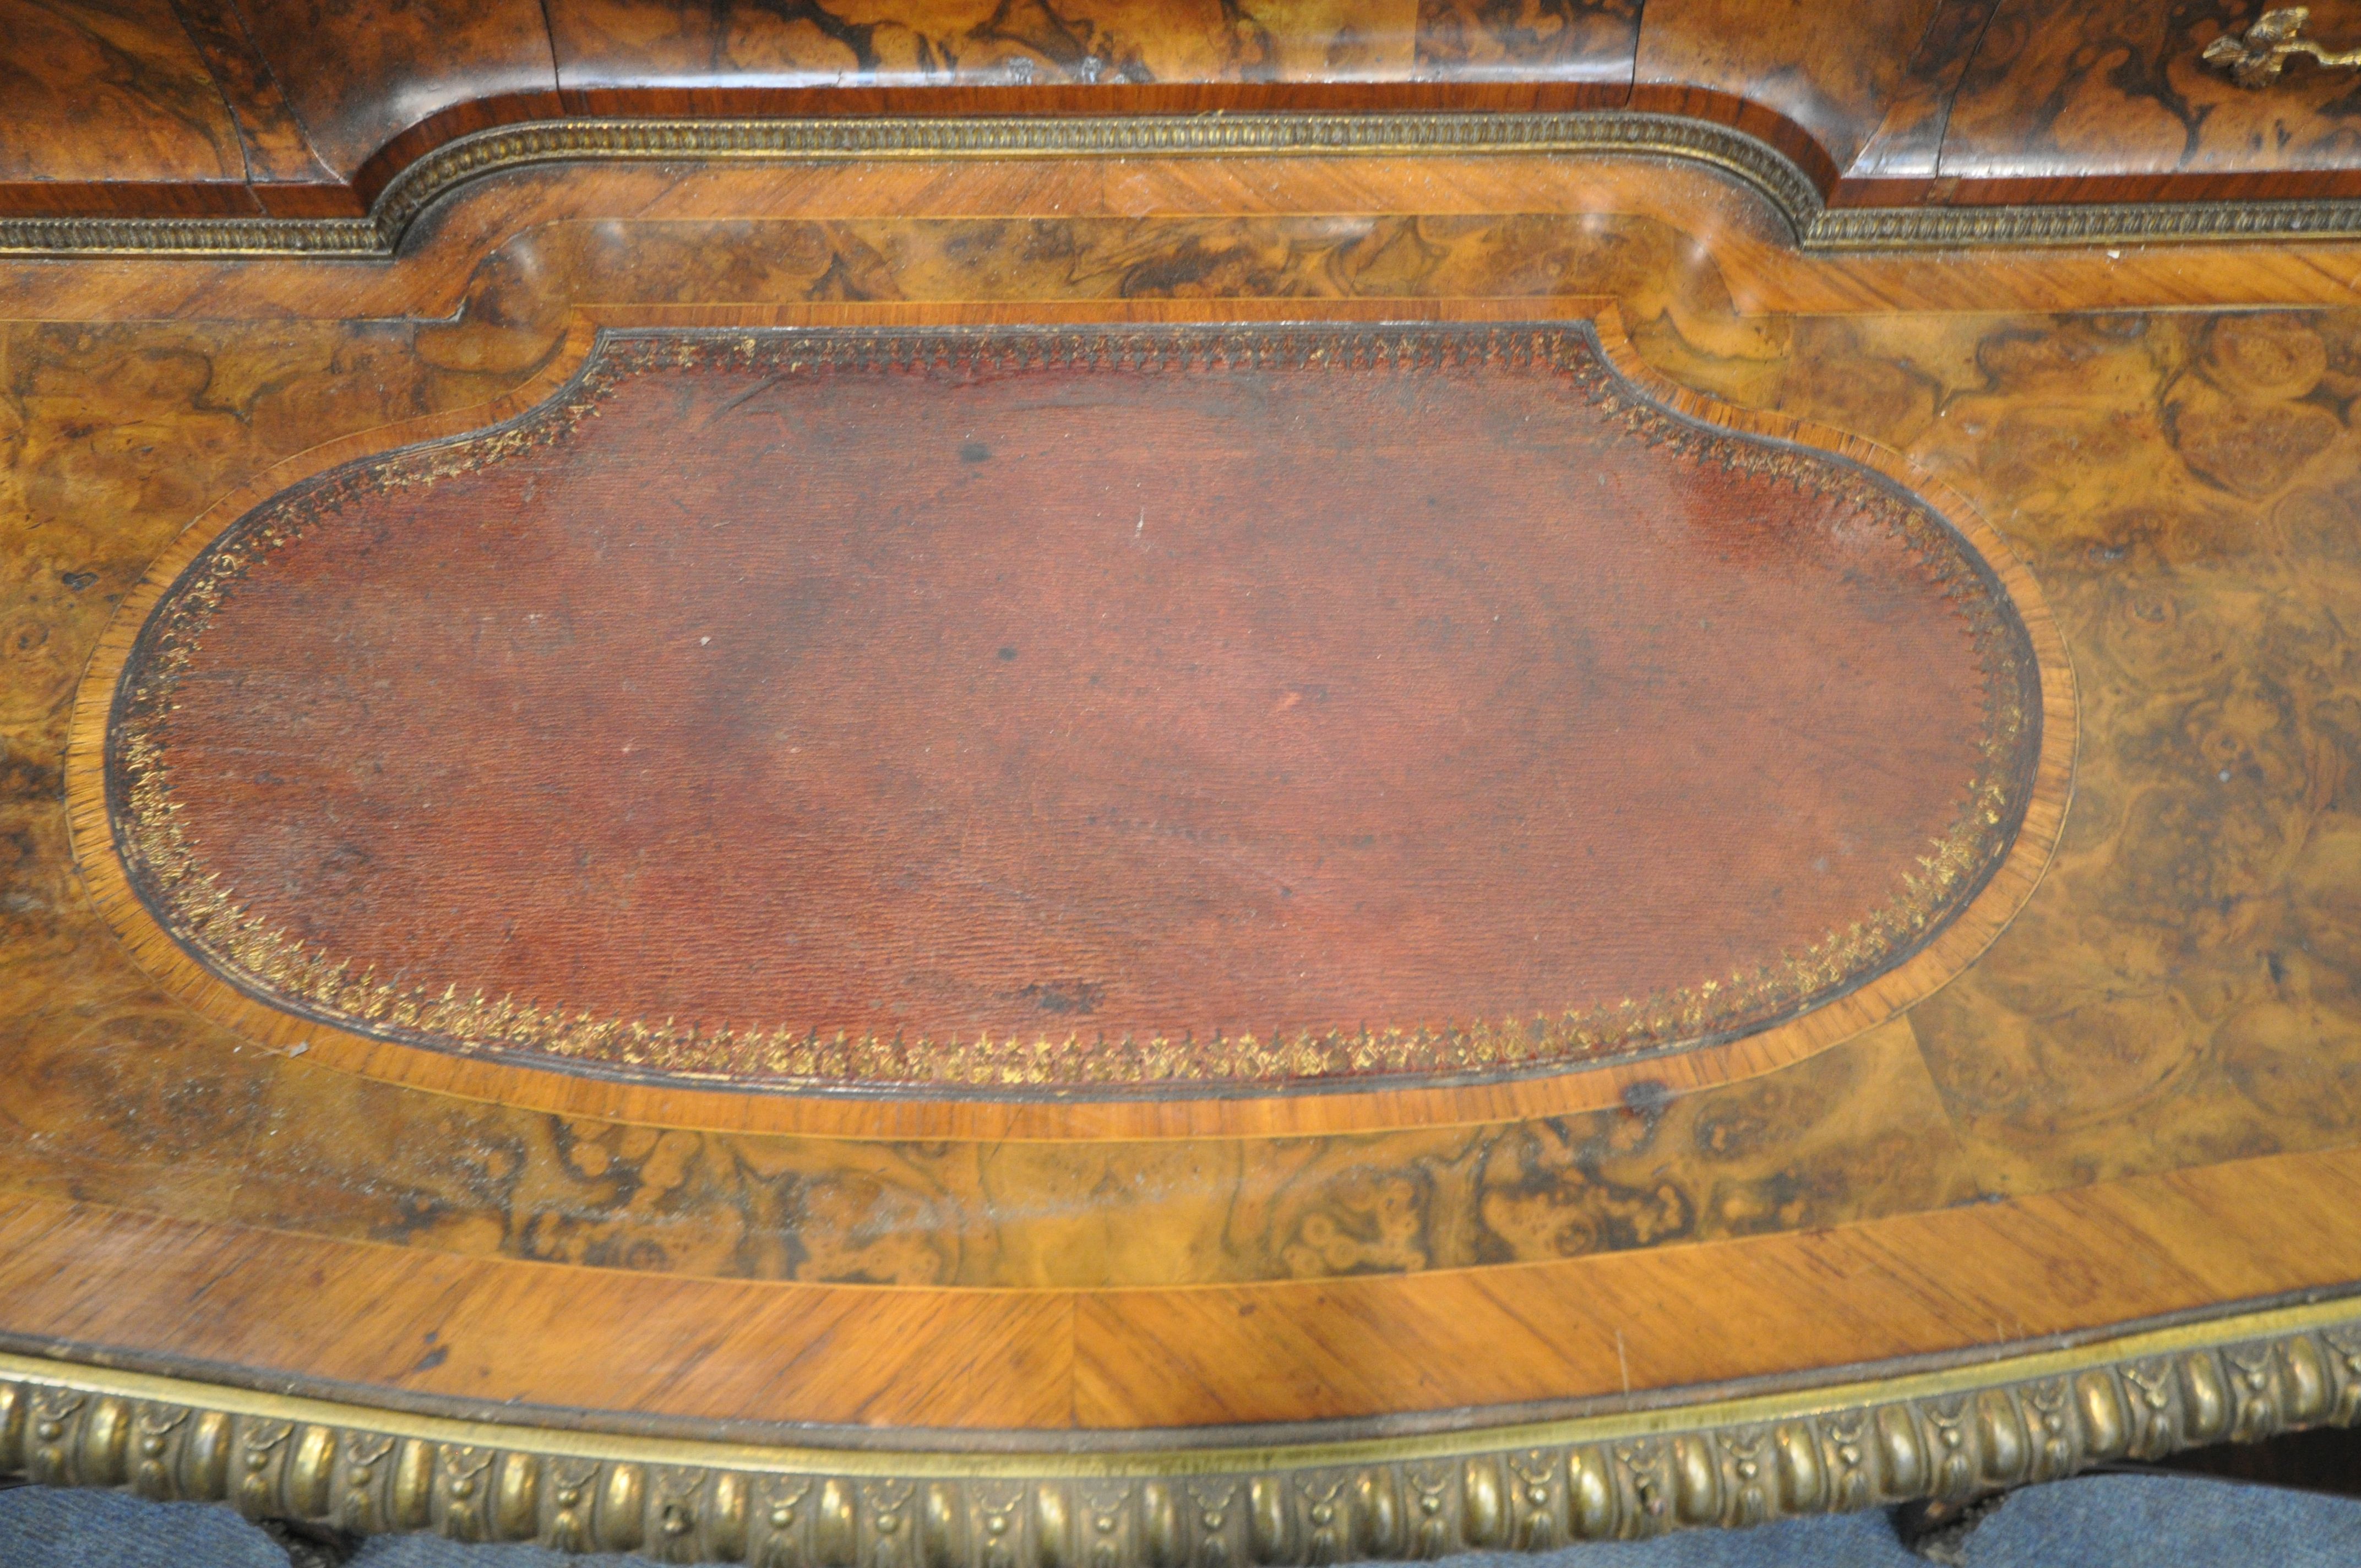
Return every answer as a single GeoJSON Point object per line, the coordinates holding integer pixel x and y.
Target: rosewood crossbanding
{"type": "Point", "coordinates": [1103, 708]}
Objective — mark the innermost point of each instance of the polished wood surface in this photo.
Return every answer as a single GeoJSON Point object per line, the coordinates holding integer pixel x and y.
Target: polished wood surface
{"type": "Point", "coordinates": [1994, 1085]}
{"type": "Point", "coordinates": [1015, 1370]}
{"type": "Point", "coordinates": [292, 109]}
{"type": "Point", "coordinates": [113, 94]}
{"type": "Point", "coordinates": [2108, 1121]}
{"type": "Point", "coordinates": [2112, 103]}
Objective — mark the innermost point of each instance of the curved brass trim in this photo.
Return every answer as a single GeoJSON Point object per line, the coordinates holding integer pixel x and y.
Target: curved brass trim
{"type": "Point", "coordinates": [440, 172]}
{"type": "Point", "coordinates": [1947, 1433]}
{"type": "Point", "coordinates": [1586, 132]}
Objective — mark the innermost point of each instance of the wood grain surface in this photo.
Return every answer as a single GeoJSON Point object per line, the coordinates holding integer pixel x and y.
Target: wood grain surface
{"type": "Point", "coordinates": [290, 109]}
{"type": "Point", "coordinates": [2138, 1102]}
{"type": "Point", "coordinates": [113, 94]}
{"type": "Point", "coordinates": [2047, 92]}
{"type": "Point", "coordinates": [1005, 1367]}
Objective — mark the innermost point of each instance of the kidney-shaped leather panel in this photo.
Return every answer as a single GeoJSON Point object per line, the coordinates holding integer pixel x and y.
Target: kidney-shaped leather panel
{"type": "Point", "coordinates": [1115, 710]}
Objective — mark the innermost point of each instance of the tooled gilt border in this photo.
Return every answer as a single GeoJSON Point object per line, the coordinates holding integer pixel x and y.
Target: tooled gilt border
{"type": "Point", "coordinates": [1949, 1436]}
{"type": "Point", "coordinates": [211, 922]}
{"type": "Point", "coordinates": [1591, 132]}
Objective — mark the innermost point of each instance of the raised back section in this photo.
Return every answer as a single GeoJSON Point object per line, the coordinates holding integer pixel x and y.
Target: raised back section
{"type": "Point", "coordinates": [295, 111]}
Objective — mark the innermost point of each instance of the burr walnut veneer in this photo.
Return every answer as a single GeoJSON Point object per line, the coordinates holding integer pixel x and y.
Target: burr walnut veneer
{"type": "Point", "coordinates": [939, 818]}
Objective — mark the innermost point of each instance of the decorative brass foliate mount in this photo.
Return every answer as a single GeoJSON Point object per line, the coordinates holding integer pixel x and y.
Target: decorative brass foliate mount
{"type": "Point", "coordinates": [2257, 58]}
{"type": "Point", "coordinates": [1951, 1435]}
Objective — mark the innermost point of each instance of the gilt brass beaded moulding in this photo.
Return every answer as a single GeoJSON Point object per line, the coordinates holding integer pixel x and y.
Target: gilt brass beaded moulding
{"type": "Point", "coordinates": [1808, 221]}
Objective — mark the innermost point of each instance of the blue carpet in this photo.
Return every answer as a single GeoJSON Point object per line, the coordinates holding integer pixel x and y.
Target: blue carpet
{"type": "Point", "coordinates": [2101, 1521]}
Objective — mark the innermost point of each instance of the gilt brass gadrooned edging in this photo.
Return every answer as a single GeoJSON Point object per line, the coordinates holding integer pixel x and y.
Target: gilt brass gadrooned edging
{"type": "Point", "coordinates": [1949, 1434]}
{"type": "Point", "coordinates": [1592, 132]}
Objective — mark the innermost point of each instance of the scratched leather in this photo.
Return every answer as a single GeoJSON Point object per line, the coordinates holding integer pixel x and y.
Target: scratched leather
{"type": "Point", "coordinates": [1058, 699]}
